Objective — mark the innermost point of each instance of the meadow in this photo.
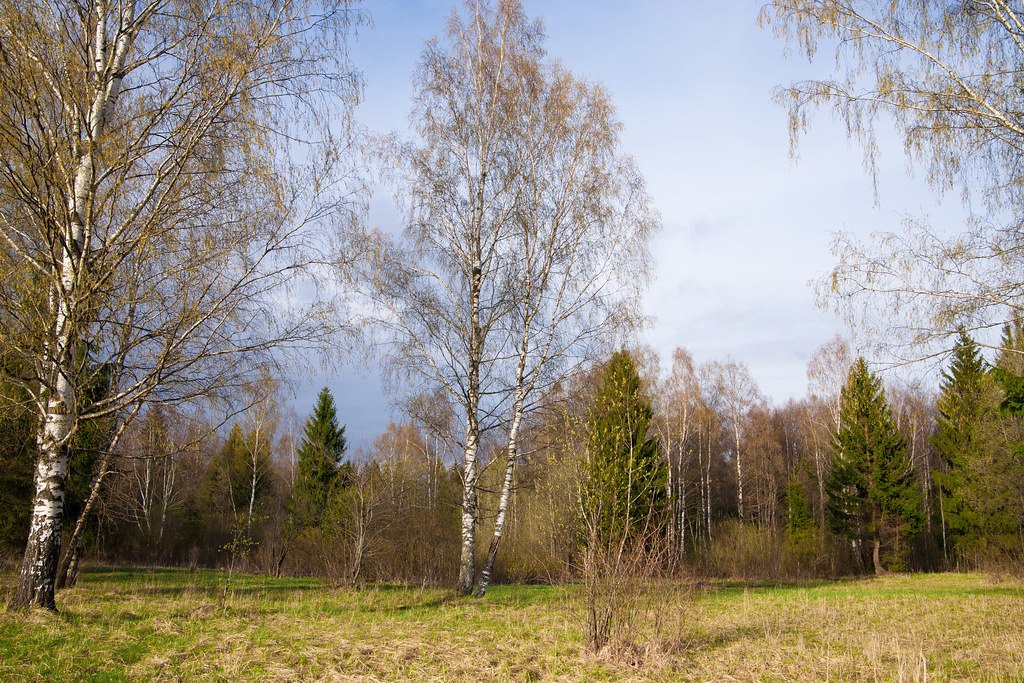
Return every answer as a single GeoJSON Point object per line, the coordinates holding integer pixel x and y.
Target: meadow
{"type": "Point", "coordinates": [164, 624]}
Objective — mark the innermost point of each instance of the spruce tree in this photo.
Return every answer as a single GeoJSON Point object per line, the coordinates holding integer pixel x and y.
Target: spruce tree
{"type": "Point", "coordinates": [798, 509]}
{"type": "Point", "coordinates": [997, 479]}
{"type": "Point", "coordinates": [320, 467]}
{"type": "Point", "coordinates": [967, 404]}
{"type": "Point", "coordinates": [1009, 368]}
{"type": "Point", "coordinates": [624, 492]}
{"type": "Point", "coordinates": [872, 491]}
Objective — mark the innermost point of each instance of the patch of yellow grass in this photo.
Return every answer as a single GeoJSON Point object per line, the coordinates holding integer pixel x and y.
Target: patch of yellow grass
{"type": "Point", "coordinates": [898, 628]}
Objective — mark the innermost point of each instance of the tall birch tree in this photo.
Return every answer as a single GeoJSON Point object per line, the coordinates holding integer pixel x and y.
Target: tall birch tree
{"type": "Point", "coordinates": [153, 208]}
{"type": "Point", "coordinates": [578, 249]}
{"type": "Point", "coordinates": [679, 402]}
{"type": "Point", "coordinates": [526, 239]}
{"type": "Point", "coordinates": [442, 289]}
{"type": "Point", "coordinates": [737, 394]}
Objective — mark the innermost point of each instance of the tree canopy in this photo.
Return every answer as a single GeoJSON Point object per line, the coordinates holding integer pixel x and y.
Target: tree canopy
{"type": "Point", "coordinates": [947, 76]}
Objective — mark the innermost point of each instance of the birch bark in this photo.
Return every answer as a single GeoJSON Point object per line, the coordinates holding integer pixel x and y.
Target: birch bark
{"type": "Point", "coordinates": [39, 566]}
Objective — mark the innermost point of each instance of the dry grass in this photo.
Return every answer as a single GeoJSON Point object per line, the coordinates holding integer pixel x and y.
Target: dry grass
{"type": "Point", "coordinates": [170, 625]}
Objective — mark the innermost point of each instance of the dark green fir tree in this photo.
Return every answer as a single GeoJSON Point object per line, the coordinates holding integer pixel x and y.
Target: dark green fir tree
{"type": "Point", "coordinates": [320, 469]}
{"type": "Point", "coordinates": [968, 407]}
{"type": "Point", "coordinates": [997, 478]}
{"type": "Point", "coordinates": [873, 496]}
{"type": "Point", "coordinates": [623, 497]}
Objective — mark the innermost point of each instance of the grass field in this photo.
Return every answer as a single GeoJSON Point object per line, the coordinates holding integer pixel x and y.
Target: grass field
{"type": "Point", "coordinates": [123, 624]}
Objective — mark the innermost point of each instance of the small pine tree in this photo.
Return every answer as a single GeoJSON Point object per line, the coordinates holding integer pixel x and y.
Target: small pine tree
{"type": "Point", "coordinates": [872, 492]}
{"type": "Point", "coordinates": [320, 467]}
{"type": "Point", "coordinates": [624, 494]}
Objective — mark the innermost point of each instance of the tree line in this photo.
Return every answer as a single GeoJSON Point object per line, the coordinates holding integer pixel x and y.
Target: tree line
{"type": "Point", "coordinates": [621, 458]}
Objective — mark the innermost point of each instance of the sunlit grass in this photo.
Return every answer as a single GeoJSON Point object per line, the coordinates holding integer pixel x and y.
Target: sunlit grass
{"type": "Point", "coordinates": [170, 625]}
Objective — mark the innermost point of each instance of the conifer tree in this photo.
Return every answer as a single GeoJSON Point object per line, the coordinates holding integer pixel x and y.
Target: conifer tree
{"type": "Point", "coordinates": [229, 483]}
{"type": "Point", "coordinates": [872, 492]}
{"type": "Point", "coordinates": [997, 478]}
{"type": "Point", "coordinates": [798, 509]}
{"type": "Point", "coordinates": [967, 409]}
{"type": "Point", "coordinates": [1009, 367]}
{"type": "Point", "coordinates": [623, 496]}
{"type": "Point", "coordinates": [320, 462]}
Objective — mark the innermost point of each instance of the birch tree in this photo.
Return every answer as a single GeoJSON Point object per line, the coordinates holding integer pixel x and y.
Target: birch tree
{"type": "Point", "coordinates": [152, 206]}
{"type": "Point", "coordinates": [577, 249]}
{"type": "Point", "coordinates": [947, 77]}
{"type": "Point", "coordinates": [145, 479]}
{"type": "Point", "coordinates": [442, 289]}
{"type": "Point", "coordinates": [527, 235]}
{"type": "Point", "coordinates": [827, 370]}
{"type": "Point", "coordinates": [677, 421]}
{"type": "Point", "coordinates": [737, 395]}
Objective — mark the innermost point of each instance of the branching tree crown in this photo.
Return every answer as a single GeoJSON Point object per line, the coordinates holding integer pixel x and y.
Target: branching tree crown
{"type": "Point", "coordinates": [526, 243]}
{"type": "Point", "coordinates": [162, 164]}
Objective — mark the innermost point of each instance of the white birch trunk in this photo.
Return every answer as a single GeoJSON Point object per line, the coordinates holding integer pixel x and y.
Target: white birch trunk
{"type": "Point", "coordinates": [511, 455]}
{"type": "Point", "coordinates": [39, 567]}
{"type": "Point", "coordinates": [467, 560]}
{"type": "Point", "coordinates": [739, 468]}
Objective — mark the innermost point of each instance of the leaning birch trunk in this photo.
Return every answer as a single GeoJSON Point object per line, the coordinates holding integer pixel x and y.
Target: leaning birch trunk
{"type": "Point", "coordinates": [512, 448]}
{"type": "Point", "coordinates": [66, 578]}
{"type": "Point", "coordinates": [67, 570]}
{"type": "Point", "coordinates": [511, 455]}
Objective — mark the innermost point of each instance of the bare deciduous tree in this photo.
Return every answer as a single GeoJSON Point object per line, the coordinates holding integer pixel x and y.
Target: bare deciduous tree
{"type": "Point", "coordinates": [443, 289]}
{"type": "Point", "coordinates": [577, 252]}
{"type": "Point", "coordinates": [527, 234]}
{"type": "Point", "coordinates": [947, 76]}
{"type": "Point", "coordinates": [153, 212]}
{"type": "Point", "coordinates": [679, 404]}
{"type": "Point", "coordinates": [827, 370]}
{"type": "Point", "coordinates": [737, 393]}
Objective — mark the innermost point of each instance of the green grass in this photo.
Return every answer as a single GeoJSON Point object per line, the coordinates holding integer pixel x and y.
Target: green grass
{"type": "Point", "coordinates": [122, 624]}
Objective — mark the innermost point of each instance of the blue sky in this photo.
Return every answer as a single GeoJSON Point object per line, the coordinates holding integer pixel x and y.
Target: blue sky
{"type": "Point", "coordinates": [746, 227]}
